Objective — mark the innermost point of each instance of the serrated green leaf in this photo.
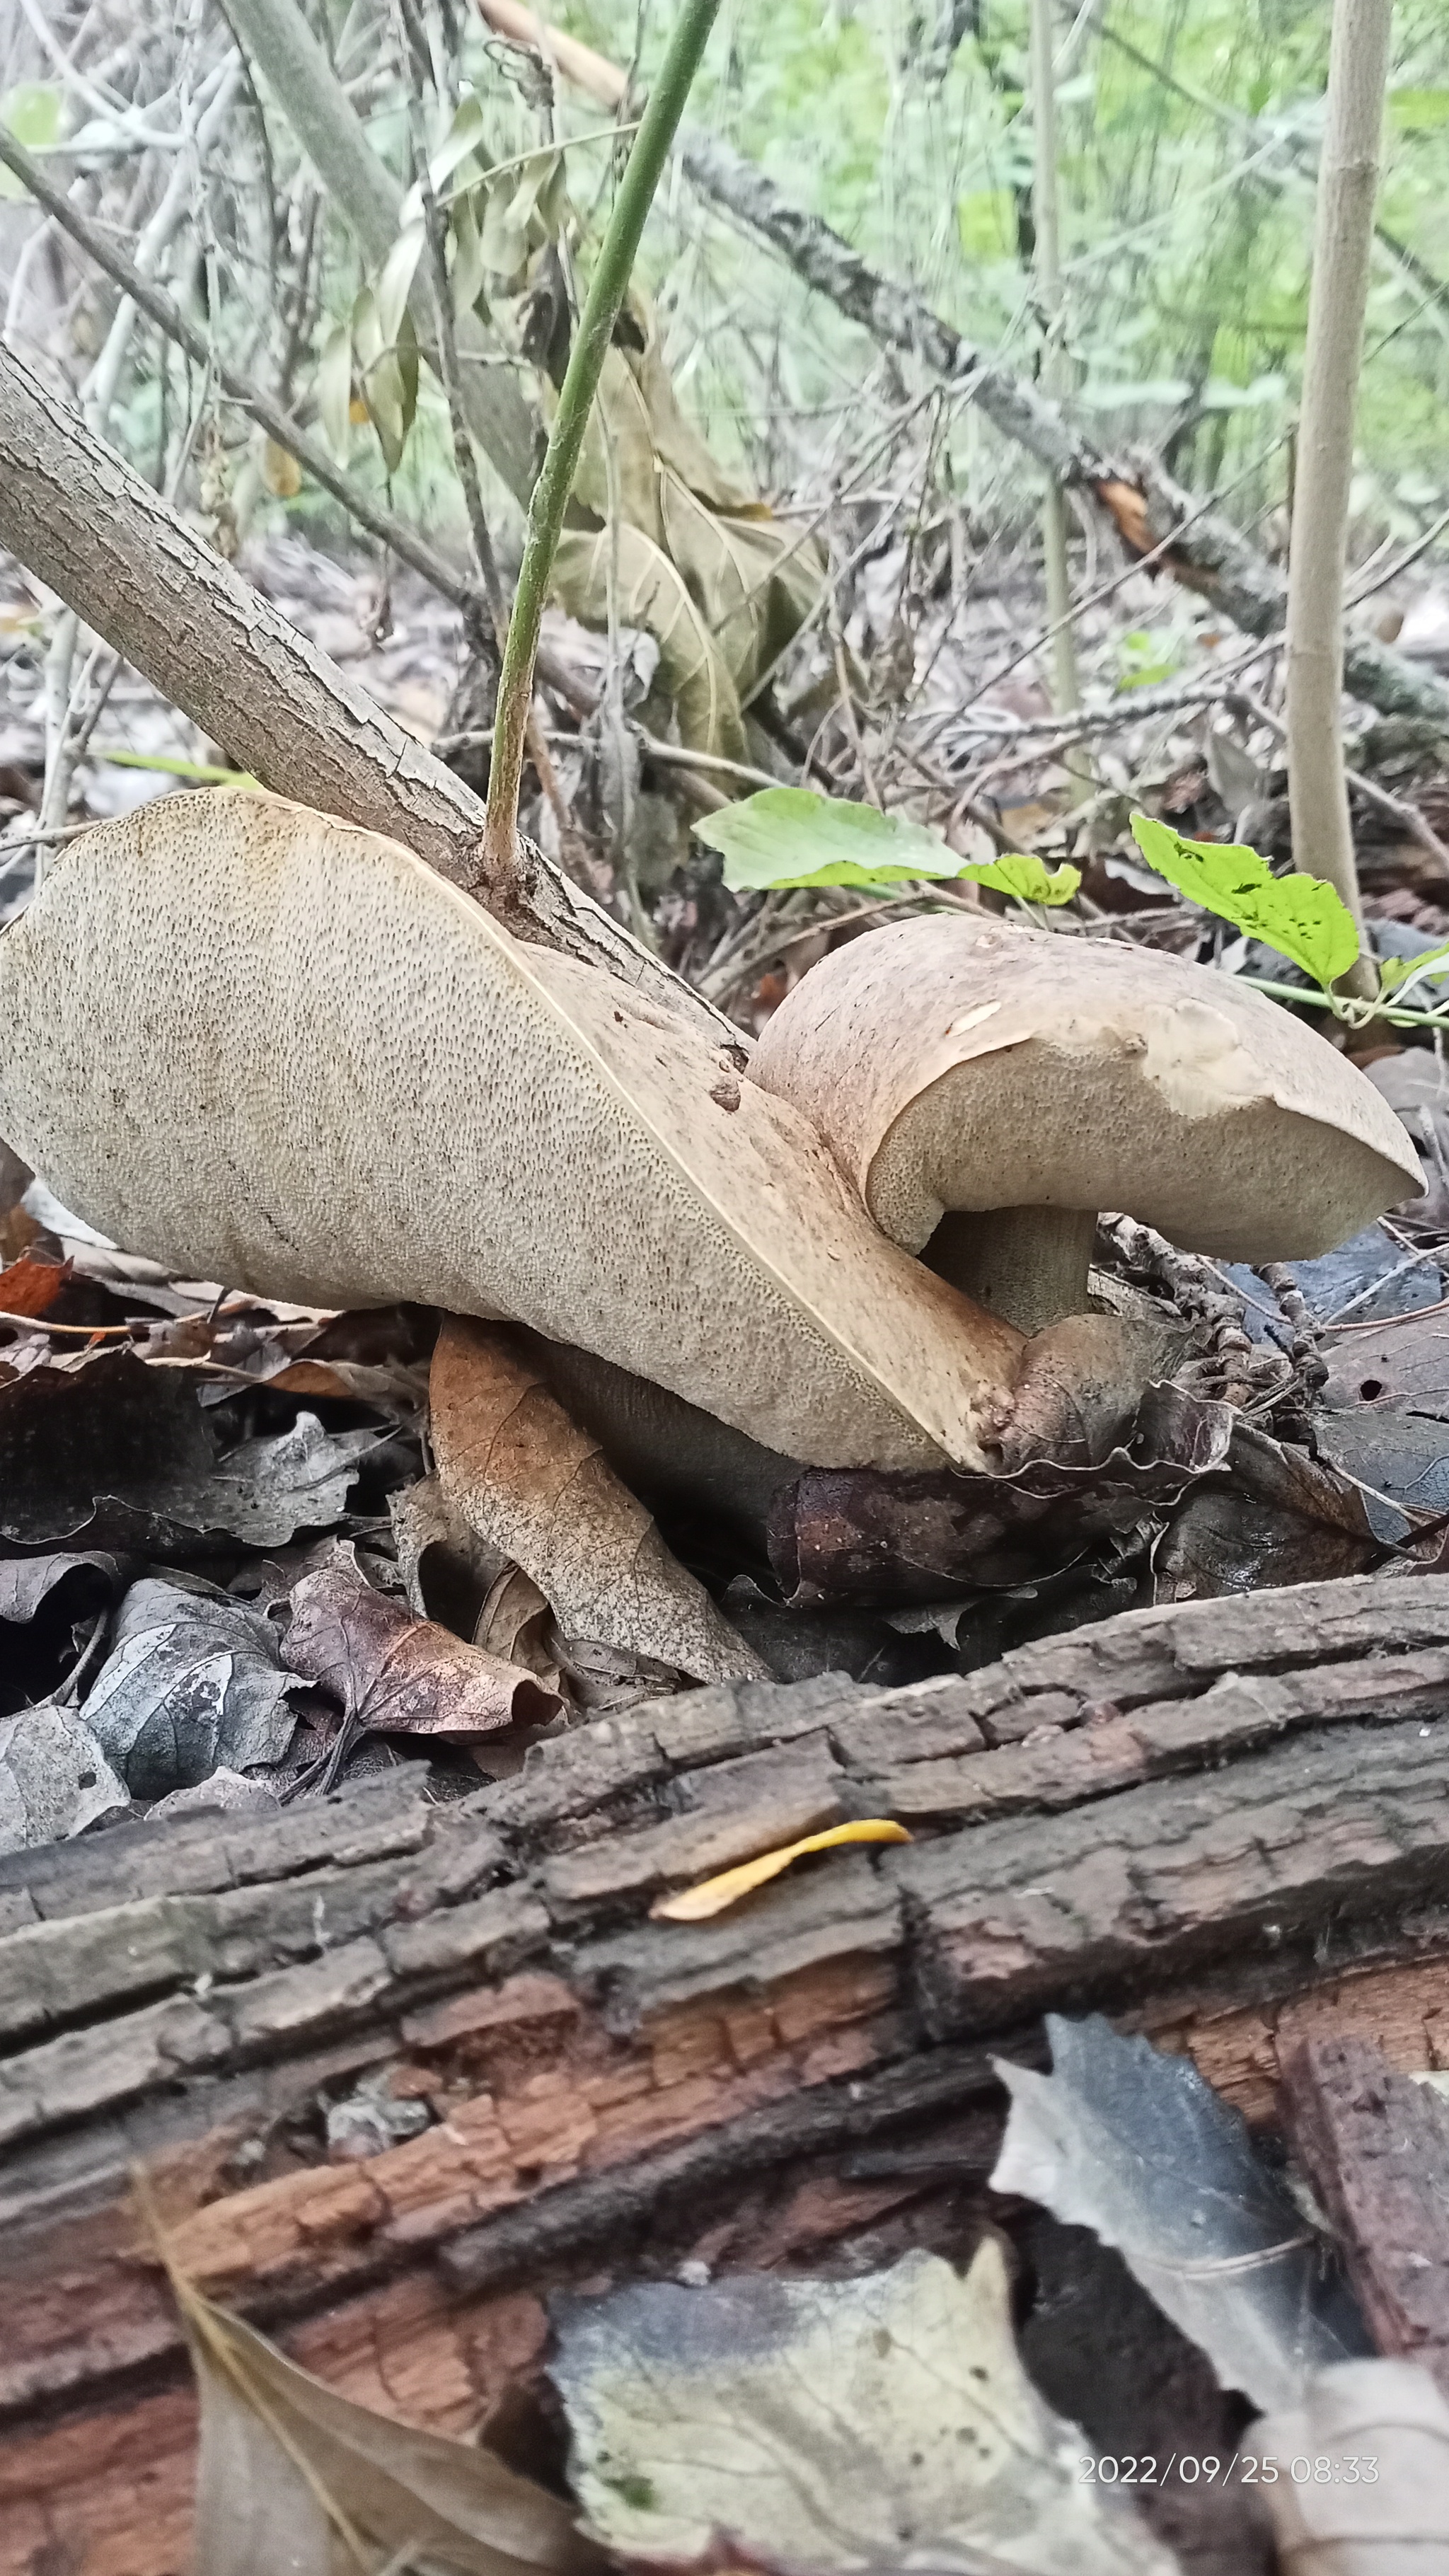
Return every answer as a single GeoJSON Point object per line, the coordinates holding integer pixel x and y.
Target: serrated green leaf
{"type": "Point", "coordinates": [1300, 916]}
{"type": "Point", "coordinates": [31, 112]}
{"type": "Point", "coordinates": [334, 390]}
{"type": "Point", "coordinates": [789, 836]}
{"type": "Point", "coordinates": [1027, 878]}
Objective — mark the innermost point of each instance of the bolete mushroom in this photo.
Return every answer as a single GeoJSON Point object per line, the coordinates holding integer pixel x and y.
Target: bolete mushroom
{"type": "Point", "coordinates": [990, 1089]}
{"type": "Point", "coordinates": [270, 1048]}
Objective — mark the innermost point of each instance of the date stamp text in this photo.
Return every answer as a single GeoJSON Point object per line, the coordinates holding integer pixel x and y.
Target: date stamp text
{"type": "Point", "coordinates": [1243, 2468]}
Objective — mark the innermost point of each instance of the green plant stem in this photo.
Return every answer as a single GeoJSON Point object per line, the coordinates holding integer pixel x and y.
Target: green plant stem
{"type": "Point", "coordinates": [1357, 1016]}
{"type": "Point", "coordinates": [555, 482]}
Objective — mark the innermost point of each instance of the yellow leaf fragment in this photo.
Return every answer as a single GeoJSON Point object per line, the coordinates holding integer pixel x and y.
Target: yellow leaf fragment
{"type": "Point", "coordinates": [281, 472]}
{"type": "Point", "coordinates": [695, 1904]}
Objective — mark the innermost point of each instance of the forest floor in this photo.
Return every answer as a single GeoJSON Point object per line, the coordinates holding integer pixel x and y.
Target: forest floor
{"type": "Point", "coordinates": [254, 1662]}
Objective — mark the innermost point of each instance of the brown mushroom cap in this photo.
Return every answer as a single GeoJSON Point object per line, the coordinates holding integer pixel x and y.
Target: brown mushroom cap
{"type": "Point", "coordinates": [951, 1064]}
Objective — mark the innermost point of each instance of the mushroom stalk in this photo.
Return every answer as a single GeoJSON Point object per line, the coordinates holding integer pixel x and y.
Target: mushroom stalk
{"type": "Point", "coordinates": [1027, 1264]}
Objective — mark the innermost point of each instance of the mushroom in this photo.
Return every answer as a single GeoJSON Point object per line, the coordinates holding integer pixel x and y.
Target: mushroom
{"type": "Point", "coordinates": [267, 1047]}
{"type": "Point", "coordinates": [989, 1089]}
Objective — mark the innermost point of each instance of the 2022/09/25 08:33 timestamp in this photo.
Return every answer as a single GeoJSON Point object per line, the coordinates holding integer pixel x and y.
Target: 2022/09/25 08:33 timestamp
{"type": "Point", "coordinates": [1319, 2469]}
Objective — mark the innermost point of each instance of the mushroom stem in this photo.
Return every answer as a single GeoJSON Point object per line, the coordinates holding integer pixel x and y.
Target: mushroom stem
{"type": "Point", "coordinates": [1028, 1264]}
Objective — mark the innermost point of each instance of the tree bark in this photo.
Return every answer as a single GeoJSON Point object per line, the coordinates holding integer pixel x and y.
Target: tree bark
{"type": "Point", "coordinates": [1342, 243]}
{"type": "Point", "coordinates": [1177, 1815]}
{"type": "Point", "coordinates": [1374, 2146]}
{"type": "Point", "coordinates": [77, 515]}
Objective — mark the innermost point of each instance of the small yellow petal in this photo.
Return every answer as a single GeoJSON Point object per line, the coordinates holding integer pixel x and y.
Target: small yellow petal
{"type": "Point", "coordinates": [695, 1904]}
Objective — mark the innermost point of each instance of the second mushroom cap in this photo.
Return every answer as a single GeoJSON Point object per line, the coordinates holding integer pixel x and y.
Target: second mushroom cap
{"type": "Point", "coordinates": [953, 1065]}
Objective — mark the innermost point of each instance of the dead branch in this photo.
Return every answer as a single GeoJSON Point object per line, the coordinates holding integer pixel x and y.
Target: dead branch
{"type": "Point", "coordinates": [77, 515]}
{"type": "Point", "coordinates": [1205, 1816]}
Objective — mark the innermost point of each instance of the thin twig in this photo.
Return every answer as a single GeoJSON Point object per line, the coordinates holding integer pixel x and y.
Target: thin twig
{"type": "Point", "coordinates": [612, 268]}
{"type": "Point", "coordinates": [278, 424]}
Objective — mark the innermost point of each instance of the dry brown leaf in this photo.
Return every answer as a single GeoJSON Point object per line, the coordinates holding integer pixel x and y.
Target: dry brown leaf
{"type": "Point", "coordinates": [31, 1287]}
{"type": "Point", "coordinates": [529, 1481]}
{"type": "Point", "coordinates": [373, 1092]}
{"type": "Point", "coordinates": [293, 2477]}
{"type": "Point", "coordinates": [712, 1895]}
{"type": "Point", "coordinates": [396, 1674]}
{"type": "Point", "coordinates": [515, 1622]}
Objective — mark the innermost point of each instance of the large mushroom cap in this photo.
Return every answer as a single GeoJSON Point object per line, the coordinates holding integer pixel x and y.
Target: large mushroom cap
{"type": "Point", "coordinates": [952, 1064]}
{"type": "Point", "coordinates": [272, 1049]}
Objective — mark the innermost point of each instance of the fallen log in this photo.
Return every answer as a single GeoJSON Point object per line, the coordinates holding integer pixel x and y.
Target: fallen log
{"type": "Point", "coordinates": [1196, 1817]}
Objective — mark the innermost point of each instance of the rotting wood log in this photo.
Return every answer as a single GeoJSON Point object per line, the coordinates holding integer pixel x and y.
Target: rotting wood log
{"type": "Point", "coordinates": [77, 516]}
{"type": "Point", "coordinates": [1214, 1808]}
{"type": "Point", "coordinates": [1375, 2147]}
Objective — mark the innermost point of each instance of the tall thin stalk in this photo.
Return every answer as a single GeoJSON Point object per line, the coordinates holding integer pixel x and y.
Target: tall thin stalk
{"type": "Point", "coordinates": [1048, 267]}
{"type": "Point", "coordinates": [1342, 242]}
{"type": "Point", "coordinates": [555, 482]}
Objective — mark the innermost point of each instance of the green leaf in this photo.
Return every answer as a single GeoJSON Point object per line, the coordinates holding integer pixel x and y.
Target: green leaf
{"type": "Point", "coordinates": [1301, 916]}
{"type": "Point", "coordinates": [1419, 111]}
{"type": "Point", "coordinates": [31, 111]}
{"type": "Point", "coordinates": [1396, 971]}
{"type": "Point", "coordinates": [1016, 873]}
{"type": "Point", "coordinates": [789, 836]}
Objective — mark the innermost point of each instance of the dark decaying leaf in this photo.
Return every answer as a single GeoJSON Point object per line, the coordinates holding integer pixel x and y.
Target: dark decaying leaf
{"type": "Point", "coordinates": [90, 1577]}
{"type": "Point", "coordinates": [1135, 2145]}
{"type": "Point", "coordinates": [120, 1451]}
{"type": "Point", "coordinates": [398, 1674]}
{"type": "Point", "coordinates": [193, 1680]}
{"type": "Point", "coordinates": [447, 1571]}
{"type": "Point", "coordinates": [1278, 1517]}
{"type": "Point", "coordinates": [1389, 2514]}
{"type": "Point", "coordinates": [859, 1535]}
{"type": "Point", "coordinates": [1370, 1273]}
{"type": "Point", "coordinates": [295, 2480]}
{"type": "Point", "coordinates": [54, 1777]}
{"type": "Point", "coordinates": [877, 2423]}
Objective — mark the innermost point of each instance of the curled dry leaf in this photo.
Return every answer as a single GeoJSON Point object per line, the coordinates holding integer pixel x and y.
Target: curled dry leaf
{"type": "Point", "coordinates": [27, 1583]}
{"type": "Point", "coordinates": [529, 1481]}
{"type": "Point", "coordinates": [880, 2423]}
{"type": "Point", "coordinates": [696, 1904]}
{"type": "Point", "coordinates": [291, 2476]}
{"type": "Point", "coordinates": [374, 1092]}
{"type": "Point", "coordinates": [395, 1674]}
{"type": "Point", "coordinates": [54, 1777]}
{"type": "Point", "coordinates": [31, 1287]}
{"type": "Point", "coordinates": [193, 1680]}
{"type": "Point", "coordinates": [1389, 2514]}
{"type": "Point", "coordinates": [1135, 2145]}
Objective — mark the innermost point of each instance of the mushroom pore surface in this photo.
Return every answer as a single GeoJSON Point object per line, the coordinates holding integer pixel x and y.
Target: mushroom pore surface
{"type": "Point", "coordinates": [1030, 1079]}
